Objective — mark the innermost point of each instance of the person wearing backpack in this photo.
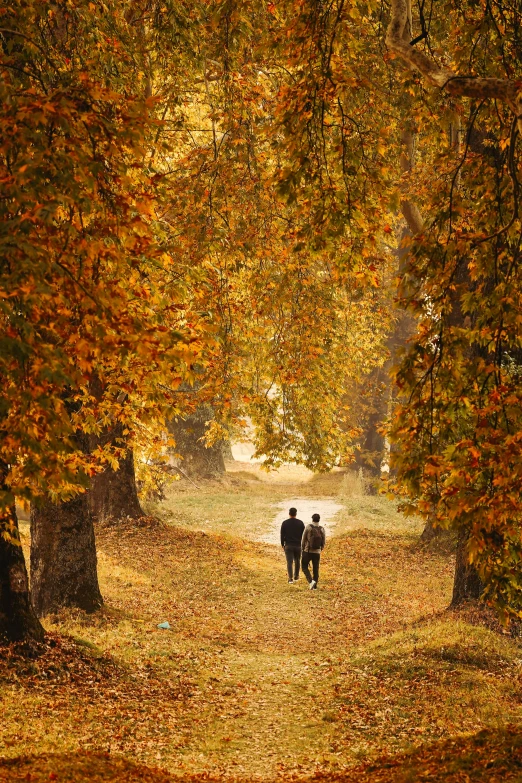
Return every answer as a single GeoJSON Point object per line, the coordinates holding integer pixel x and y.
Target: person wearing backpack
{"type": "Point", "coordinates": [291, 535]}
{"type": "Point", "coordinates": [312, 545]}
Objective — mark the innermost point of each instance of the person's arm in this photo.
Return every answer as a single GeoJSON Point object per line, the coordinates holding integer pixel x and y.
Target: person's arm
{"type": "Point", "coordinates": [303, 526]}
{"type": "Point", "coordinates": [303, 540]}
{"type": "Point", "coordinates": [283, 535]}
{"type": "Point", "coordinates": [324, 539]}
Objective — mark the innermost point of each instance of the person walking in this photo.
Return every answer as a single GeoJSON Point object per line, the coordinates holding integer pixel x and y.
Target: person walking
{"type": "Point", "coordinates": [312, 544]}
{"type": "Point", "coordinates": [291, 535]}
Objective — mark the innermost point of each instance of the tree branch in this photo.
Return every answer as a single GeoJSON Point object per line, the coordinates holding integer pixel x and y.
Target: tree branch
{"type": "Point", "coordinates": [398, 39]}
{"type": "Point", "coordinates": [410, 211]}
{"type": "Point", "coordinates": [412, 216]}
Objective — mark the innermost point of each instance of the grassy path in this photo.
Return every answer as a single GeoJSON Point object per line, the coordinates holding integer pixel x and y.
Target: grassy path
{"type": "Point", "coordinates": [258, 679]}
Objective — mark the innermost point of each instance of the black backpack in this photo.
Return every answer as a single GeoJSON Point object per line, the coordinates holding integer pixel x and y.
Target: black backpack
{"type": "Point", "coordinates": [315, 538]}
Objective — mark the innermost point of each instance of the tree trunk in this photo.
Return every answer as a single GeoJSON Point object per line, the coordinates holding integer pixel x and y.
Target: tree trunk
{"type": "Point", "coordinates": [430, 532]}
{"type": "Point", "coordinates": [18, 621]}
{"type": "Point", "coordinates": [226, 447]}
{"type": "Point", "coordinates": [113, 494]}
{"type": "Point", "coordinates": [63, 557]}
{"type": "Point", "coordinates": [189, 433]}
{"type": "Point", "coordinates": [370, 449]}
{"type": "Point", "coordinates": [466, 585]}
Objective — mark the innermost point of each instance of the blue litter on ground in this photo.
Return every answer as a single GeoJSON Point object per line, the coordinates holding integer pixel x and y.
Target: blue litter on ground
{"type": "Point", "coordinates": [165, 626]}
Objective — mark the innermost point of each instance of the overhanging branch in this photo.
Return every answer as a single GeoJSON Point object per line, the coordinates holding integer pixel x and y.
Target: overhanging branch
{"type": "Point", "coordinates": [398, 40]}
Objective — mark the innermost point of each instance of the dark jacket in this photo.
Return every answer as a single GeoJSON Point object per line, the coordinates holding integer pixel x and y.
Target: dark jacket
{"type": "Point", "coordinates": [292, 532]}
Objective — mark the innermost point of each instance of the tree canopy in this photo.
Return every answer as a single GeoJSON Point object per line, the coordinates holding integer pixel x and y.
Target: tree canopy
{"type": "Point", "coordinates": [221, 194]}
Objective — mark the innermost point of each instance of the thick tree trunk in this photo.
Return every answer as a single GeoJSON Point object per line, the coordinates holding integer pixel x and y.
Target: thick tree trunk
{"type": "Point", "coordinates": [466, 585]}
{"type": "Point", "coordinates": [189, 433]}
{"type": "Point", "coordinates": [113, 495]}
{"type": "Point", "coordinates": [63, 557]}
{"type": "Point", "coordinates": [18, 621]}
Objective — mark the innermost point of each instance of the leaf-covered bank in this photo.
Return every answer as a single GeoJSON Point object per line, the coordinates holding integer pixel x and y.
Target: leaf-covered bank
{"type": "Point", "coordinates": [369, 677]}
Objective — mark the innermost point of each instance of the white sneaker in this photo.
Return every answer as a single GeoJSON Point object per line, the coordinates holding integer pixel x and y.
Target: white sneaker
{"type": "Point", "coordinates": [290, 581]}
{"type": "Point", "coordinates": [312, 585]}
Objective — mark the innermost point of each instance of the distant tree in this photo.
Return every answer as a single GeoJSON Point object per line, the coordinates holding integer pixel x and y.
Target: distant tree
{"type": "Point", "coordinates": [113, 494]}
{"type": "Point", "coordinates": [467, 584]}
{"type": "Point", "coordinates": [226, 448]}
{"type": "Point", "coordinates": [197, 459]}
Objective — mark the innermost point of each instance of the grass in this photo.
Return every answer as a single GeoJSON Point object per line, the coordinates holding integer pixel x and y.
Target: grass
{"type": "Point", "coordinates": [442, 679]}
{"type": "Point", "coordinates": [369, 678]}
{"type": "Point", "coordinates": [236, 507]}
{"type": "Point", "coordinates": [246, 501]}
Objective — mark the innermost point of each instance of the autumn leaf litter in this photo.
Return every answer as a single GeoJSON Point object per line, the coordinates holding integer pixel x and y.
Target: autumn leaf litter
{"type": "Point", "coordinates": [258, 679]}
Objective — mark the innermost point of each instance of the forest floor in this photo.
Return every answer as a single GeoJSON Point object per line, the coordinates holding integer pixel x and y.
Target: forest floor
{"type": "Point", "coordinates": [369, 678]}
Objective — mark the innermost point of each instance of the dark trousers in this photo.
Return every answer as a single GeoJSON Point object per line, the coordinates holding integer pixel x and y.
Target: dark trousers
{"type": "Point", "coordinates": [293, 558]}
{"type": "Point", "coordinates": [313, 558]}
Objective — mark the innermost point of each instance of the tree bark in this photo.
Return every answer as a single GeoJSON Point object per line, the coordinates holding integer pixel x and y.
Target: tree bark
{"type": "Point", "coordinates": [18, 621]}
{"type": "Point", "coordinates": [63, 557]}
{"type": "Point", "coordinates": [370, 450]}
{"type": "Point", "coordinates": [466, 585]}
{"type": "Point", "coordinates": [226, 447]}
{"type": "Point", "coordinates": [430, 532]}
{"type": "Point", "coordinates": [113, 495]}
{"type": "Point", "coordinates": [189, 433]}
